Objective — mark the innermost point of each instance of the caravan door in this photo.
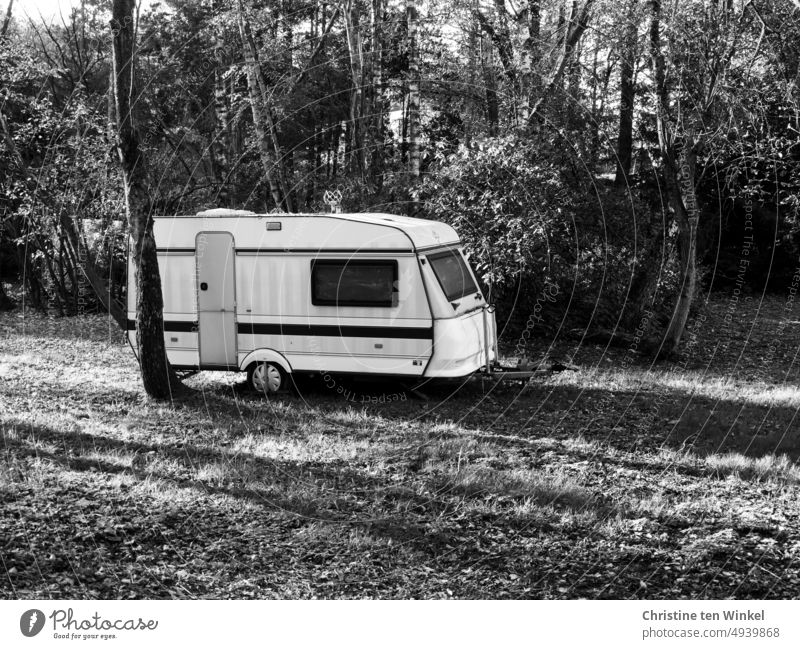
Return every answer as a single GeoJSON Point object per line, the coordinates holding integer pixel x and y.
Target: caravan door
{"type": "Point", "coordinates": [216, 300]}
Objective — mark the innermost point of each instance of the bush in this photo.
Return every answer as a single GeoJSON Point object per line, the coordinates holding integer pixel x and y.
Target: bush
{"type": "Point", "coordinates": [546, 237]}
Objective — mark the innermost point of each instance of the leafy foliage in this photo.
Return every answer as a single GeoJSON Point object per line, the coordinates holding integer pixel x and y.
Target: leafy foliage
{"type": "Point", "coordinates": [539, 243]}
{"type": "Point", "coordinates": [532, 198]}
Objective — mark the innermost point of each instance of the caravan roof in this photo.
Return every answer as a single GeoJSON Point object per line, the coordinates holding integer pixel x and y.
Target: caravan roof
{"type": "Point", "coordinates": [363, 231]}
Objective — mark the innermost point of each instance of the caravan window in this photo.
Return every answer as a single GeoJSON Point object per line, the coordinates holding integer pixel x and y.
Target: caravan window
{"type": "Point", "coordinates": [453, 274]}
{"type": "Point", "coordinates": [353, 282]}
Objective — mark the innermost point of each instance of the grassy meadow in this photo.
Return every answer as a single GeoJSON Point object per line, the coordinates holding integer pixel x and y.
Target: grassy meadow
{"type": "Point", "coordinates": [620, 480]}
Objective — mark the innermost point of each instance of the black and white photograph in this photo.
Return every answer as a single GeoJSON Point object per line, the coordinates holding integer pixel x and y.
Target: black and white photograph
{"type": "Point", "coordinates": [400, 300]}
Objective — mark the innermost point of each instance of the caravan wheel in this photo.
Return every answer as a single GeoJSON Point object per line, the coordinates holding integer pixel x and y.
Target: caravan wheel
{"type": "Point", "coordinates": [266, 378]}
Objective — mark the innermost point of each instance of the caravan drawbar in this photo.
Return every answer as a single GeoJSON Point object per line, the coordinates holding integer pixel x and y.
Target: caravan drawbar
{"type": "Point", "coordinates": [281, 294]}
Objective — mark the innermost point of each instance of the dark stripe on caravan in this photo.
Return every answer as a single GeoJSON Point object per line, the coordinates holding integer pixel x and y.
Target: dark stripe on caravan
{"type": "Point", "coordinates": [344, 331]}
{"type": "Point", "coordinates": [349, 251]}
{"type": "Point", "coordinates": [170, 325]}
{"type": "Point", "coordinates": [343, 251]}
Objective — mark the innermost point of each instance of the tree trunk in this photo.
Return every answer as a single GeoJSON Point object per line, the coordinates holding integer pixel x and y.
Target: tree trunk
{"type": "Point", "coordinates": [160, 381]}
{"type": "Point", "coordinates": [413, 106]}
{"type": "Point", "coordinates": [288, 35]}
{"type": "Point", "coordinates": [683, 199]}
{"type": "Point", "coordinates": [627, 91]}
{"type": "Point", "coordinates": [573, 99]}
{"type": "Point", "coordinates": [679, 176]}
{"type": "Point", "coordinates": [644, 283]}
{"type": "Point", "coordinates": [336, 139]}
{"type": "Point", "coordinates": [530, 55]}
{"type": "Point", "coordinates": [378, 95]}
{"type": "Point", "coordinates": [355, 146]}
{"type": "Point", "coordinates": [490, 84]}
{"type": "Point", "coordinates": [315, 163]}
{"type": "Point", "coordinates": [222, 129]}
{"type": "Point", "coordinates": [86, 265]}
{"type": "Point", "coordinates": [505, 48]}
{"type": "Point", "coordinates": [32, 283]}
{"type": "Point", "coordinates": [34, 289]}
{"type": "Point", "coordinates": [47, 254]}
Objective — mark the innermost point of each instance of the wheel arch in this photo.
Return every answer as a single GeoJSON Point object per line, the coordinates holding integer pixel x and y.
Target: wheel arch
{"type": "Point", "coordinates": [266, 355]}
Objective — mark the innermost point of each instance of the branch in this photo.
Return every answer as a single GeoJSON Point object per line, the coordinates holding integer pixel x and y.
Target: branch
{"type": "Point", "coordinates": [301, 77]}
{"type": "Point", "coordinates": [502, 42]}
{"type": "Point", "coordinates": [573, 36]}
{"type": "Point", "coordinates": [6, 20]}
{"type": "Point", "coordinates": [722, 64]}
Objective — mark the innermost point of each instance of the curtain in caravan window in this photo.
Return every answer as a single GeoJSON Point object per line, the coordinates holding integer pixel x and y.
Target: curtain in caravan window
{"type": "Point", "coordinates": [453, 274]}
{"type": "Point", "coordinates": [353, 283]}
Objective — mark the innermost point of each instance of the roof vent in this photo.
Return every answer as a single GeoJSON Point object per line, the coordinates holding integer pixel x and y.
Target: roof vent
{"type": "Point", "coordinates": [222, 211]}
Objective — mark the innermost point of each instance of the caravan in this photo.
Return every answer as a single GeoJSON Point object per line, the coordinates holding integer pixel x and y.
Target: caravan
{"type": "Point", "coordinates": [282, 294]}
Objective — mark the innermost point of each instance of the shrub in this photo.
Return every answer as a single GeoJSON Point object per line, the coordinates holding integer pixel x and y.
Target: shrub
{"type": "Point", "coordinates": [545, 235]}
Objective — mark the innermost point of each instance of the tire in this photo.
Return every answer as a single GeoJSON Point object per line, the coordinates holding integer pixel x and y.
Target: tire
{"type": "Point", "coordinates": [266, 378]}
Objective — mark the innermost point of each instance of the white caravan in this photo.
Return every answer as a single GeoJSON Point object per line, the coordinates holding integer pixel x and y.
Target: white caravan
{"type": "Point", "coordinates": [281, 294]}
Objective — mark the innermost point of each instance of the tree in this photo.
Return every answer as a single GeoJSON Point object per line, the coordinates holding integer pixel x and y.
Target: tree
{"type": "Point", "coordinates": [576, 26]}
{"type": "Point", "coordinates": [6, 19]}
{"type": "Point", "coordinates": [412, 101]}
{"type": "Point", "coordinates": [531, 18]}
{"type": "Point", "coordinates": [378, 94]}
{"type": "Point", "coordinates": [627, 95]}
{"type": "Point", "coordinates": [272, 157]}
{"type": "Point", "coordinates": [355, 146]}
{"type": "Point", "coordinates": [678, 157]}
{"type": "Point", "coordinates": [692, 120]}
{"type": "Point", "coordinates": [158, 377]}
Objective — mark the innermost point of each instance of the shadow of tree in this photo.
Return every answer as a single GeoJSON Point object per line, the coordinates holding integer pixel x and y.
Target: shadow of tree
{"type": "Point", "coordinates": [647, 419]}
{"type": "Point", "coordinates": [290, 486]}
{"type": "Point", "coordinates": [333, 492]}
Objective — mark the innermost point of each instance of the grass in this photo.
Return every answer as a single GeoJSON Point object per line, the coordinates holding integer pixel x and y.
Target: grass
{"type": "Point", "coordinates": [533, 489]}
{"type": "Point", "coordinates": [767, 468]}
{"type": "Point", "coordinates": [622, 479]}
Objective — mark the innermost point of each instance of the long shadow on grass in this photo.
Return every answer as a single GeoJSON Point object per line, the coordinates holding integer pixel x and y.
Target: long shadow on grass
{"type": "Point", "coordinates": [634, 424]}
{"type": "Point", "coordinates": [295, 487]}
{"type": "Point", "coordinates": [333, 492]}
{"type": "Point", "coordinates": [646, 420]}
